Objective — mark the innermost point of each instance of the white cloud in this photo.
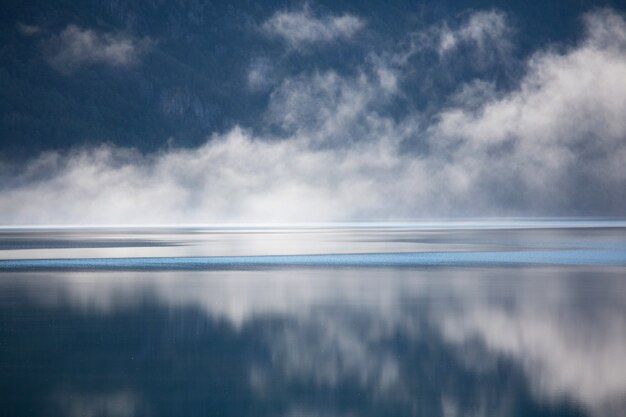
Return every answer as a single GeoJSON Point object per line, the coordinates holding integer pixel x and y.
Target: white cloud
{"type": "Point", "coordinates": [75, 47]}
{"type": "Point", "coordinates": [302, 27]}
{"type": "Point", "coordinates": [560, 132]}
{"type": "Point", "coordinates": [556, 144]}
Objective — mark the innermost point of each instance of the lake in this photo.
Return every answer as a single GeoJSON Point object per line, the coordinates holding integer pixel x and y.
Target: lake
{"type": "Point", "coordinates": [466, 318]}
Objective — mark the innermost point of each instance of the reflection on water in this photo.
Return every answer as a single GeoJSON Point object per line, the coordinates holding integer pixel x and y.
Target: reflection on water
{"type": "Point", "coordinates": [351, 341]}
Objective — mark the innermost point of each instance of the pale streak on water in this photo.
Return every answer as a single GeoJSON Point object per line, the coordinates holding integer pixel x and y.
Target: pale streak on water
{"type": "Point", "coordinates": [509, 318]}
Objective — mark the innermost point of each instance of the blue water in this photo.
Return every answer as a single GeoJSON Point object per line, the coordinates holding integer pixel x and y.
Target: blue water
{"type": "Point", "coordinates": [604, 257]}
{"type": "Point", "coordinates": [520, 319]}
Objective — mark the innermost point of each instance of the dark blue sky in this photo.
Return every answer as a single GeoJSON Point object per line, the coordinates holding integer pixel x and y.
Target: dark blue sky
{"type": "Point", "coordinates": [193, 111]}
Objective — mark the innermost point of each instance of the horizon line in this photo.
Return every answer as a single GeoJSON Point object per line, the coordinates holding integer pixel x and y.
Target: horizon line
{"type": "Point", "coordinates": [473, 222]}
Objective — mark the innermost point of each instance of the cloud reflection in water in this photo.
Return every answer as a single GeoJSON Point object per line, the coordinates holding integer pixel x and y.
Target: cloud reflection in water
{"type": "Point", "coordinates": [474, 341]}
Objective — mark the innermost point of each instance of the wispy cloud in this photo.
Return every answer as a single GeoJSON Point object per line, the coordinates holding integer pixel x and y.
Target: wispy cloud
{"type": "Point", "coordinates": [555, 144]}
{"type": "Point", "coordinates": [302, 27]}
{"type": "Point", "coordinates": [28, 30]}
{"type": "Point", "coordinates": [481, 40]}
{"type": "Point", "coordinates": [486, 30]}
{"type": "Point", "coordinates": [261, 74]}
{"type": "Point", "coordinates": [75, 47]}
{"type": "Point", "coordinates": [118, 403]}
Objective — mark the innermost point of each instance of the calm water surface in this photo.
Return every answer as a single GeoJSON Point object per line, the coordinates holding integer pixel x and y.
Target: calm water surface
{"type": "Point", "coordinates": [515, 319]}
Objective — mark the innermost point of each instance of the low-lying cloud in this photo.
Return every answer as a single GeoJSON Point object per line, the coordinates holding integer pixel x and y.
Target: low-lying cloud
{"type": "Point", "coordinates": [553, 145]}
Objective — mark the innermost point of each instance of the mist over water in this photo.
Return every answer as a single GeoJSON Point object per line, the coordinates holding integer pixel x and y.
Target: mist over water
{"type": "Point", "coordinates": [315, 338]}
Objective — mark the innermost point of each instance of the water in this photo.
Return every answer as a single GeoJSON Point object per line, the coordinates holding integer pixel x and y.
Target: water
{"type": "Point", "coordinates": [506, 319]}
